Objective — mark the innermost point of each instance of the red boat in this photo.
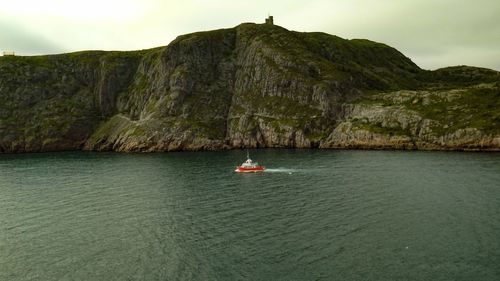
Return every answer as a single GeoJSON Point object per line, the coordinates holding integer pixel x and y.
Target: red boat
{"type": "Point", "coordinates": [249, 166]}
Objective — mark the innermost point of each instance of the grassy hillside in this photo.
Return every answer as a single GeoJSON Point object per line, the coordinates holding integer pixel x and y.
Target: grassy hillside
{"type": "Point", "coordinates": [248, 86]}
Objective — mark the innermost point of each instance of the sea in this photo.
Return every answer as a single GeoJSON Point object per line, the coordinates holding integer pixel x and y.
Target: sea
{"type": "Point", "coordinates": [312, 215]}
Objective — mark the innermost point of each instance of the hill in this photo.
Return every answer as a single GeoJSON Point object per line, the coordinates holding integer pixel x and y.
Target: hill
{"type": "Point", "coordinates": [253, 85]}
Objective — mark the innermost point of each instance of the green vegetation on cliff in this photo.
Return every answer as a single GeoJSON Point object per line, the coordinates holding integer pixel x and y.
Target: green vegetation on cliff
{"type": "Point", "coordinates": [475, 106]}
{"type": "Point", "coordinates": [248, 86]}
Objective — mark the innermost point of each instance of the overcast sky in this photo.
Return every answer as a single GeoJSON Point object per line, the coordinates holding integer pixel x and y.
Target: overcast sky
{"type": "Point", "coordinates": [433, 33]}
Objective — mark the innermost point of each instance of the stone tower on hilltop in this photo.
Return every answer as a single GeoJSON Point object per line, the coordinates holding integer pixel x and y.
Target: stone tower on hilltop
{"type": "Point", "coordinates": [270, 20]}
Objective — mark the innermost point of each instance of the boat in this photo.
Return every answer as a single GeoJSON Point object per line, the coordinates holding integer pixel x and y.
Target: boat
{"type": "Point", "coordinates": [249, 166]}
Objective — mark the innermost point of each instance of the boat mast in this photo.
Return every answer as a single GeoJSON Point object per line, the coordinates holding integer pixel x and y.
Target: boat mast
{"type": "Point", "coordinates": [248, 154]}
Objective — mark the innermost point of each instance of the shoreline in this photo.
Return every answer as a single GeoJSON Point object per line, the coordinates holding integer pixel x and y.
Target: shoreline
{"type": "Point", "coordinates": [464, 150]}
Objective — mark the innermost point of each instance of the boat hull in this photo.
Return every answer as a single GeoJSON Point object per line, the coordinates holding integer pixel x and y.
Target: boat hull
{"type": "Point", "coordinates": [250, 170]}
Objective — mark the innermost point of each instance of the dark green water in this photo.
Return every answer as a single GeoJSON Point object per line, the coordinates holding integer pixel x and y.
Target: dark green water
{"type": "Point", "coordinates": [316, 215]}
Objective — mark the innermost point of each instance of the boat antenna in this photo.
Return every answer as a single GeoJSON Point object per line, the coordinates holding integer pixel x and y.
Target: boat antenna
{"type": "Point", "coordinates": [248, 154]}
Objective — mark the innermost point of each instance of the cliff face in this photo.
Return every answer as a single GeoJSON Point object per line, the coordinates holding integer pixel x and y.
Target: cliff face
{"type": "Point", "coordinates": [466, 118]}
{"type": "Point", "coordinates": [249, 86]}
{"type": "Point", "coordinates": [55, 102]}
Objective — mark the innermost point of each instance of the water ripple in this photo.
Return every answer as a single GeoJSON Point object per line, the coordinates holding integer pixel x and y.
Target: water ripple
{"type": "Point", "coordinates": [349, 215]}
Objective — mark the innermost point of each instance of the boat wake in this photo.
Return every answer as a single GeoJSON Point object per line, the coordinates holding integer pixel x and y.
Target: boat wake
{"type": "Point", "coordinates": [281, 170]}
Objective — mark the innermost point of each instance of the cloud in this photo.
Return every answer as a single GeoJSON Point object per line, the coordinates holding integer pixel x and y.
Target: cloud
{"type": "Point", "coordinates": [24, 41]}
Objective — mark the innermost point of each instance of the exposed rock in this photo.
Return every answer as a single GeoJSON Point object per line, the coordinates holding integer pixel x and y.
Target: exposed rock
{"type": "Point", "coordinates": [394, 120]}
{"type": "Point", "coordinates": [248, 86]}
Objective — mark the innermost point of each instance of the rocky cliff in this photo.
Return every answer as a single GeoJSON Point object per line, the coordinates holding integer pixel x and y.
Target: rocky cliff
{"type": "Point", "coordinates": [248, 86]}
{"type": "Point", "coordinates": [450, 119]}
